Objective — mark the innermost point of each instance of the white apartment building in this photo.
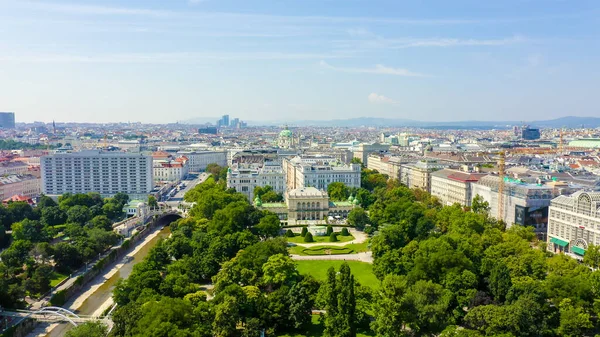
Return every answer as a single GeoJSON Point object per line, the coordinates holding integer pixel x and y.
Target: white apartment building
{"type": "Point", "coordinates": [169, 170]}
{"type": "Point", "coordinates": [385, 164]}
{"type": "Point", "coordinates": [574, 223]}
{"type": "Point", "coordinates": [418, 175]}
{"type": "Point", "coordinates": [311, 172]}
{"type": "Point", "coordinates": [452, 186]}
{"type": "Point", "coordinates": [21, 185]}
{"type": "Point", "coordinates": [96, 171]}
{"type": "Point", "coordinates": [245, 179]}
{"type": "Point", "coordinates": [198, 160]}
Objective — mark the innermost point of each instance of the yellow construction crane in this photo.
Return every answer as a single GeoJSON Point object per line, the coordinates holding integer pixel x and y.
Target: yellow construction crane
{"type": "Point", "coordinates": [501, 174]}
{"type": "Point", "coordinates": [561, 145]}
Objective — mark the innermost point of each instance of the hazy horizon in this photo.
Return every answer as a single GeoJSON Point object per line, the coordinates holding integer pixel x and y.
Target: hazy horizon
{"type": "Point", "coordinates": [161, 62]}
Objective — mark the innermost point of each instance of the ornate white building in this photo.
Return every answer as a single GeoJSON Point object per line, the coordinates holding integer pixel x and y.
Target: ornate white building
{"type": "Point", "coordinates": [574, 223]}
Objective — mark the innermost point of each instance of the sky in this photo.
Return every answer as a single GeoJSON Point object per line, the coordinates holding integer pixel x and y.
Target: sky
{"type": "Point", "coordinates": [163, 61]}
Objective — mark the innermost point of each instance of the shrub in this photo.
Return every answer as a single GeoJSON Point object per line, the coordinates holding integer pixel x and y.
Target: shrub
{"type": "Point", "coordinates": [304, 231]}
{"type": "Point", "coordinates": [59, 298]}
{"type": "Point", "coordinates": [329, 230]}
{"type": "Point", "coordinates": [345, 232]}
{"type": "Point", "coordinates": [308, 237]}
{"type": "Point", "coordinates": [333, 237]}
{"type": "Point", "coordinates": [289, 233]}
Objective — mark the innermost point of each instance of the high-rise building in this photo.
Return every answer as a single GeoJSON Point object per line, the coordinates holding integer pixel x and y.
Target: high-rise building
{"type": "Point", "coordinates": [7, 120]}
{"type": "Point", "coordinates": [528, 133]}
{"type": "Point", "coordinates": [96, 171]}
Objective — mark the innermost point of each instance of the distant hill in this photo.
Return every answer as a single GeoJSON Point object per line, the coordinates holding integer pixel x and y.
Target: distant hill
{"type": "Point", "coordinates": [568, 122]}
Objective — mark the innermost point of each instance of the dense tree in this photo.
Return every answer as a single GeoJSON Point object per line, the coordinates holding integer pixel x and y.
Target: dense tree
{"type": "Point", "coordinates": [269, 226]}
{"type": "Point", "coordinates": [78, 214]}
{"type": "Point", "coordinates": [30, 230]}
{"type": "Point", "coordinates": [279, 270]}
{"type": "Point", "coordinates": [19, 211]}
{"type": "Point", "coordinates": [592, 256]}
{"type": "Point", "coordinates": [338, 191]}
{"type": "Point", "coordinates": [573, 320]}
{"type": "Point", "coordinates": [391, 312]}
{"type": "Point", "coordinates": [358, 218]}
{"type": "Point", "coordinates": [88, 329]}
{"type": "Point", "coordinates": [479, 205]}
{"type": "Point", "coordinates": [53, 215]}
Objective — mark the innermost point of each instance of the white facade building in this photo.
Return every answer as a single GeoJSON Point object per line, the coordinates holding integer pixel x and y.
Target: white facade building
{"type": "Point", "coordinates": [418, 175]}
{"type": "Point", "coordinates": [313, 172]}
{"type": "Point", "coordinates": [574, 223]}
{"type": "Point", "coordinates": [170, 170]}
{"type": "Point", "coordinates": [95, 171]}
{"type": "Point", "coordinates": [452, 186]}
{"type": "Point", "coordinates": [198, 160]}
{"type": "Point", "coordinates": [245, 179]}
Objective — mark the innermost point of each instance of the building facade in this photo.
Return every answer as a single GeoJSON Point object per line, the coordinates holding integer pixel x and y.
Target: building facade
{"type": "Point", "coordinates": [318, 172]}
{"type": "Point", "coordinates": [362, 151]}
{"type": "Point", "coordinates": [245, 179]}
{"type": "Point", "coordinates": [574, 223]}
{"type": "Point", "coordinates": [525, 204]}
{"type": "Point", "coordinates": [21, 185]}
{"type": "Point", "coordinates": [95, 171]}
{"type": "Point", "coordinates": [308, 206]}
{"type": "Point", "coordinates": [418, 175]}
{"type": "Point", "coordinates": [452, 186]}
{"type": "Point", "coordinates": [385, 164]}
{"type": "Point", "coordinates": [198, 160]}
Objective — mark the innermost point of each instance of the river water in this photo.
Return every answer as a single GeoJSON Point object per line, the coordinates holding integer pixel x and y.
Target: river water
{"type": "Point", "coordinates": [104, 292]}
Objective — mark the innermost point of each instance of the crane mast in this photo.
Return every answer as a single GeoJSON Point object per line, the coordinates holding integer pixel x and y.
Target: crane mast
{"type": "Point", "coordinates": [501, 174]}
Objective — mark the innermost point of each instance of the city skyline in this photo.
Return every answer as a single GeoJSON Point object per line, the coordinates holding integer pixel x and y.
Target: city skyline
{"type": "Point", "coordinates": [158, 62]}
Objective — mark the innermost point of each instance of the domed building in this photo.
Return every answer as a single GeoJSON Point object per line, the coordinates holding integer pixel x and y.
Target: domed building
{"type": "Point", "coordinates": [286, 139]}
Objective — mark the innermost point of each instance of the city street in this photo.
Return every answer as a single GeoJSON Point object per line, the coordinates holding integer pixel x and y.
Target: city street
{"type": "Point", "coordinates": [190, 182]}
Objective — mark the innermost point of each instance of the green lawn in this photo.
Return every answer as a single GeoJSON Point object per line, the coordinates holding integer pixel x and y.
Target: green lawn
{"type": "Point", "coordinates": [317, 328]}
{"type": "Point", "coordinates": [56, 277]}
{"type": "Point", "coordinates": [363, 272]}
{"type": "Point", "coordinates": [299, 239]}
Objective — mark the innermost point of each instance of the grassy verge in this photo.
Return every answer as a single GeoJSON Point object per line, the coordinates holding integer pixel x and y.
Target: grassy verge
{"type": "Point", "coordinates": [299, 239]}
{"type": "Point", "coordinates": [56, 278]}
{"type": "Point", "coordinates": [363, 272]}
{"type": "Point", "coordinates": [316, 330]}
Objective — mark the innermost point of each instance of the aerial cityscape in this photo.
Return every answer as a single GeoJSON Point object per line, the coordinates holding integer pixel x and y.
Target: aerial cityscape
{"type": "Point", "coordinates": [339, 168]}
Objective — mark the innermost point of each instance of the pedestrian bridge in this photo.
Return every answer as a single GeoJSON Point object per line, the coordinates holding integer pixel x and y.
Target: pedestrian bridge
{"type": "Point", "coordinates": [57, 315]}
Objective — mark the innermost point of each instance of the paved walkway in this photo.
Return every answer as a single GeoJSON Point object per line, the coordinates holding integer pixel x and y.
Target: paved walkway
{"type": "Point", "coordinates": [362, 257]}
{"type": "Point", "coordinates": [359, 237]}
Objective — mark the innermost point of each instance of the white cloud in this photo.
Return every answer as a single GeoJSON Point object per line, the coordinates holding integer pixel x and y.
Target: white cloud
{"type": "Point", "coordinates": [195, 2]}
{"type": "Point", "coordinates": [380, 99]}
{"type": "Point", "coordinates": [378, 69]}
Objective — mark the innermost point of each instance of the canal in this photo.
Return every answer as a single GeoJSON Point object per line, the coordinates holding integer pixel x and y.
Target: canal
{"type": "Point", "coordinates": [99, 297]}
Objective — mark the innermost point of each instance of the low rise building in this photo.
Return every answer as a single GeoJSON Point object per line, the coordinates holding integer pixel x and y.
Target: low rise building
{"type": "Point", "coordinates": [20, 185]}
{"type": "Point", "coordinates": [452, 186]}
{"type": "Point", "coordinates": [418, 175]}
{"type": "Point", "coordinates": [308, 206]}
{"type": "Point", "coordinates": [245, 178]}
{"type": "Point", "coordinates": [319, 172]}
{"type": "Point", "coordinates": [574, 223]}
{"type": "Point", "coordinates": [362, 151]}
{"type": "Point", "coordinates": [198, 160]}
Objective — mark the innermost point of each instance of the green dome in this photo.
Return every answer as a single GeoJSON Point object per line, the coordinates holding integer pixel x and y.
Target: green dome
{"type": "Point", "coordinates": [285, 133]}
{"type": "Point", "coordinates": [356, 202]}
{"type": "Point", "coordinates": [350, 198]}
{"type": "Point", "coordinates": [257, 202]}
